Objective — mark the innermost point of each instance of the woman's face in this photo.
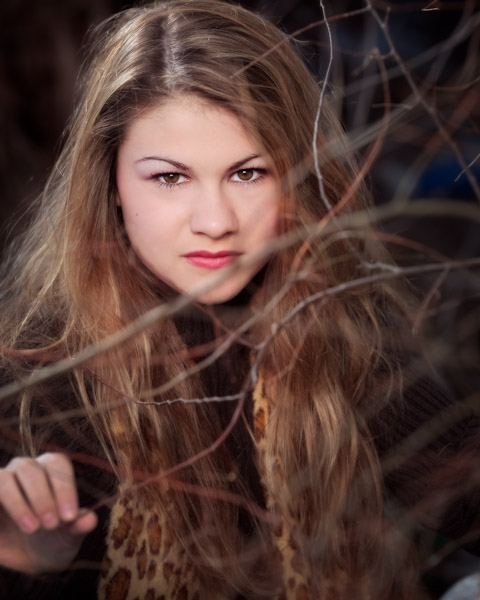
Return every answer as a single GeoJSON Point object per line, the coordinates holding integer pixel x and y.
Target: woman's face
{"type": "Point", "coordinates": [196, 194]}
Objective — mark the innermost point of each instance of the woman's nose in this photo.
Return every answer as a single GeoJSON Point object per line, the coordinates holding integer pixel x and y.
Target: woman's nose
{"type": "Point", "coordinates": [213, 214]}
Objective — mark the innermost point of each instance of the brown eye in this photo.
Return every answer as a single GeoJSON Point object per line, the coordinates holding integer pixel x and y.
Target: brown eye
{"type": "Point", "coordinates": [246, 174]}
{"type": "Point", "coordinates": [171, 177]}
{"type": "Point", "coordinates": [170, 180]}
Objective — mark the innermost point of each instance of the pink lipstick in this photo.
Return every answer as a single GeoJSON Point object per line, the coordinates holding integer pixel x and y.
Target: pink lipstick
{"type": "Point", "coordinates": [211, 260]}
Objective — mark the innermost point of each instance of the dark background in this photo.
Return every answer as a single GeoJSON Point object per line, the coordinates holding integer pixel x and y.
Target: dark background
{"type": "Point", "coordinates": [41, 51]}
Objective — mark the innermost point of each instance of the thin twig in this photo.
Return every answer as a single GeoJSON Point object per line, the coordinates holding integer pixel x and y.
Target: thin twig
{"type": "Point", "coordinates": [420, 97]}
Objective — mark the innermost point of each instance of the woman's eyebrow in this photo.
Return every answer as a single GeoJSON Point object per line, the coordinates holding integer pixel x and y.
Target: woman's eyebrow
{"type": "Point", "coordinates": [241, 162]}
{"type": "Point", "coordinates": [174, 163]}
{"type": "Point", "coordinates": [182, 167]}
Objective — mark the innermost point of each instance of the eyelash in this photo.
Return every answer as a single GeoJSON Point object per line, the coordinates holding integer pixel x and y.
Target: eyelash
{"type": "Point", "coordinates": [260, 174]}
{"type": "Point", "coordinates": [164, 184]}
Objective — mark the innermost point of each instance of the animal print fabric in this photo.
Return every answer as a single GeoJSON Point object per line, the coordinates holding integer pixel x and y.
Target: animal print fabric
{"type": "Point", "coordinates": [143, 562]}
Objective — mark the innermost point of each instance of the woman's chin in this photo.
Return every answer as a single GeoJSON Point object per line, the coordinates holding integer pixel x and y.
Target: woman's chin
{"type": "Point", "coordinates": [217, 296]}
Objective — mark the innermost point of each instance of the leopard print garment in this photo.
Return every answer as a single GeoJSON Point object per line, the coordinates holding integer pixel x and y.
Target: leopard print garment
{"type": "Point", "coordinates": [142, 561]}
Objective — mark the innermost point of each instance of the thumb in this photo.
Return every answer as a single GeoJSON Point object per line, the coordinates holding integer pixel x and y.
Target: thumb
{"type": "Point", "coordinates": [85, 522]}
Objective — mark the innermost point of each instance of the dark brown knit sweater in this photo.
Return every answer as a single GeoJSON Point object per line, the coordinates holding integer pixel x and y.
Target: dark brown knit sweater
{"type": "Point", "coordinates": [428, 444]}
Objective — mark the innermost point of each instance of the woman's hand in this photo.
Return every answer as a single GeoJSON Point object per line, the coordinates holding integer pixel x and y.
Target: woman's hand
{"type": "Point", "coordinates": [41, 524]}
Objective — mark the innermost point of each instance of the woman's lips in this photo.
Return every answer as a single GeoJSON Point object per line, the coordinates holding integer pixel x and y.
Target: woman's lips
{"type": "Point", "coordinates": [211, 260]}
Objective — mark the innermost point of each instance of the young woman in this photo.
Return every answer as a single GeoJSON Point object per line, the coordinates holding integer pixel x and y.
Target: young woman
{"type": "Point", "coordinates": [193, 319]}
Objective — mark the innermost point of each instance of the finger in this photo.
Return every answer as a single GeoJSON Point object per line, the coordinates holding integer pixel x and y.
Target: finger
{"type": "Point", "coordinates": [14, 503]}
{"type": "Point", "coordinates": [35, 485]}
{"type": "Point", "coordinates": [61, 476]}
{"type": "Point", "coordinates": [85, 523]}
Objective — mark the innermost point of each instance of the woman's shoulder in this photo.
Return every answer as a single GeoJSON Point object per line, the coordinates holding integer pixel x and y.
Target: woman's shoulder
{"type": "Point", "coordinates": [428, 442]}
{"type": "Point", "coordinates": [58, 422]}
{"type": "Point", "coordinates": [424, 413]}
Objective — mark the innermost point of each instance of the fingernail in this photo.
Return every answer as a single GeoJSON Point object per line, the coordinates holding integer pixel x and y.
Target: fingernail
{"type": "Point", "coordinates": [67, 511]}
{"type": "Point", "coordinates": [49, 520]}
{"type": "Point", "coordinates": [28, 524]}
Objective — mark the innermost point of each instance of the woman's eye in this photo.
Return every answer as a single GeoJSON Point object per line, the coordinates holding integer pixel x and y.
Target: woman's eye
{"type": "Point", "coordinates": [170, 178]}
{"type": "Point", "coordinates": [248, 175]}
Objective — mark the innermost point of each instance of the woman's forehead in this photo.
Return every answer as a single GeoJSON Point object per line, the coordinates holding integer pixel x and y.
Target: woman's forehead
{"type": "Point", "coordinates": [192, 131]}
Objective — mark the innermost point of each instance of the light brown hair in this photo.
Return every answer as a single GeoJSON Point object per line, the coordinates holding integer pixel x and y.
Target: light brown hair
{"type": "Point", "coordinates": [75, 281]}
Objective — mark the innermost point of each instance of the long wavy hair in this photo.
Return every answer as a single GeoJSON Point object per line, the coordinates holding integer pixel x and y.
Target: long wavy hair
{"type": "Point", "coordinates": [318, 336]}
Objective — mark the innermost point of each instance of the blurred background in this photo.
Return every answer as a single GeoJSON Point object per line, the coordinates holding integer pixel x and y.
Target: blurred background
{"type": "Point", "coordinates": [437, 42]}
{"type": "Point", "coordinates": [404, 73]}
